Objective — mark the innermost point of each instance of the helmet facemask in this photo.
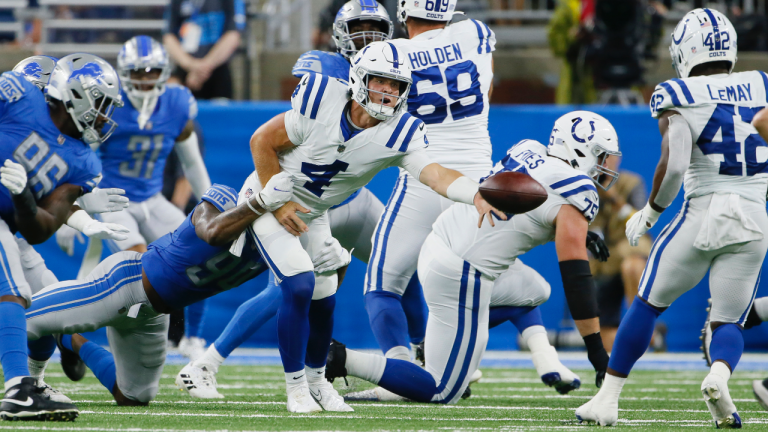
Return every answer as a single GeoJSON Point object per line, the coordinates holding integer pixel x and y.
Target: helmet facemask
{"type": "Point", "coordinates": [144, 93]}
{"type": "Point", "coordinates": [599, 171]}
{"type": "Point", "coordinates": [96, 122]}
{"type": "Point", "coordinates": [379, 110]}
{"type": "Point", "coordinates": [350, 43]}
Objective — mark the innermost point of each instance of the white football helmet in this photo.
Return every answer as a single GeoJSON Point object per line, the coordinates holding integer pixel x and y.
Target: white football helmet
{"type": "Point", "coordinates": [433, 10]}
{"type": "Point", "coordinates": [90, 90]}
{"type": "Point", "coordinates": [384, 60]}
{"type": "Point", "coordinates": [37, 69]}
{"type": "Point", "coordinates": [585, 140]}
{"type": "Point", "coordinates": [702, 36]}
{"type": "Point", "coordinates": [143, 54]}
{"type": "Point", "coordinates": [360, 10]}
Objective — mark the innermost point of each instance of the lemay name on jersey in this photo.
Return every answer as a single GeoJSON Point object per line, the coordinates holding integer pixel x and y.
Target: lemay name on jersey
{"type": "Point", "coordinates": [327, 164]}
{"type": "Point", "coordinates": [491, 250]}
{"type": "Point", "coordinates": [728, 154]}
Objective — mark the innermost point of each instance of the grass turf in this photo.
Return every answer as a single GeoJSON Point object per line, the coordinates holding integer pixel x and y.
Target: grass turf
{"type": "Point", "coordinates": [506, 399]}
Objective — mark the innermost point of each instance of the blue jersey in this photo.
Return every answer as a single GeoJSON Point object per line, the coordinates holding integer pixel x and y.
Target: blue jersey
{"type": "Point", "coordinates": [333, 65]}
{"type": "Point", "coordinates": [133, 158]}
{"type": "Point", "coordinates": [29, 137]}
{"type": "Point", "coordinates": [184, 269]}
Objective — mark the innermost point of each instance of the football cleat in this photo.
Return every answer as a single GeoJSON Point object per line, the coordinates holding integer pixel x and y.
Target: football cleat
{"type": "Point", "coordinates": [301, 401]}
{"type": "Point", "coordinates": [718, 399]}
{"type": "Point", "coordinates": [73, 365]}
{"type": "Point", "coordinates": [419, 354]}
{"type": "Point", "coordinates": [600, 410]}
{"type": "Point", "coordinates": [378, 394]}
{"type": "Point", "coordinates": [553, 373]}
{"type": "Point", "coordinates": [324, 394]}
{"type": "Point", "coordinates": [198, 381]}
{"type": "Point", "coordinates": [52, 393]}
{"type": "Point", "coordinates": [760, 388]}
{"type": "Point", "coordinates": [192, 347]}
{"type": "Point", "coordinates": [26, 401]}
{"type": "Point", "coordinates": [335, 366]}
{"type": "Point", "coordinates": [706, 335]}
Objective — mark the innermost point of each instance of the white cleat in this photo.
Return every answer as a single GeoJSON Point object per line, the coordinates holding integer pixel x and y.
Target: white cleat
{"type": "Point", "coordinates": [477, 375]}
{"type": "Point", "coordinates": [553, 373]}
{"type": "Point", "coordinates": [599, 410]}
{"type": "Point", "coordinates": [378, 394]}
{"type": "Point", "coordinates": [52, 393]}
{"type": "Point", "coordinates": [718, 399]}
{"type": "Point", "coordinates": [301, 401]}
{"type": "Point", "coordinates": [198, 381]}
{"type": "Point", "coordinates": [328, 398]}
{"type": "Point", "coordinates": [192, 347]}
{"type": "Point", "coordinates": [761, 392]}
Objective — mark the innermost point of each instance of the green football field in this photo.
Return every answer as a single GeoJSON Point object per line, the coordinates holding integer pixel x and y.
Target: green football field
{"type": "Point", "coordinates": [505, 399]}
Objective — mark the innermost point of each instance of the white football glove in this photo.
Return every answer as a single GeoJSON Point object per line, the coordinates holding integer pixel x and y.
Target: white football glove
{"type": "Point", "coordinates": [277, 192]}
{"type": "Point", "coordinates": [331, 257]}
{"type": "Point", "coordinates": [66, 236]}
{"type": "Point", "coordinates": [103, 200]}
{"type": "Point", "coordinates": [640, 223]}
{"type": "Point", "coordinates": [101, 230]}
{"type": "Point", "coordinates": [13, 176]}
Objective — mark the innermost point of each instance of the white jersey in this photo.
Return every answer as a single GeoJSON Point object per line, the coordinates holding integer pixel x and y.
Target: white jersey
{"type": "Point", "coordinates": [728, 155]}
{"type": "Point", "coordinates": [452, 70]}
{"type": "Point", "coordinates": [329, 162]}
{"type": "Point", "coordinates": [491, 250]}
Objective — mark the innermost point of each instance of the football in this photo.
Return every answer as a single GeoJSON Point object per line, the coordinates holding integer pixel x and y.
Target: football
{"type": "Point", "coordinates": [513, 192]}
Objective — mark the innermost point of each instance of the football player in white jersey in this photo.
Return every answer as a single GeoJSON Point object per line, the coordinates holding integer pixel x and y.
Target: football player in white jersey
{"type": "Point", "coordinates": [710, 146]}
{"type": "Point", "coordinates": [460, 261]}
{"type": "Point", "coordinates": [333, 146]}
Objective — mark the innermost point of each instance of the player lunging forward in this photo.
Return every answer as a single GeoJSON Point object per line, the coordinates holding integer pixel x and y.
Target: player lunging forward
{"type": "Point", "coordinates": [708, 141]}
{"type": "Point", "coordinates": [460, 261]}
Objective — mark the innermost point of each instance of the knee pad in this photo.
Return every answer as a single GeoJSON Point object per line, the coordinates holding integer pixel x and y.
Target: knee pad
{"type": "Point", "coordinates": [325, 286]}
{"type": "Point", "coordinates": [282, 251]}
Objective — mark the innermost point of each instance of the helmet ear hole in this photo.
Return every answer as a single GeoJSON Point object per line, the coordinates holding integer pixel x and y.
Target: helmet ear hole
{"type": "Point", "coordinates": [76, 94]}
{"type": "Point", "coordinates": [579, 153]}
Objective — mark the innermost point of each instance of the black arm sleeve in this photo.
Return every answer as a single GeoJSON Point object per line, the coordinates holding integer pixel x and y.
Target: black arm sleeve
{"type": "Point", "coordinates": [580, 291]}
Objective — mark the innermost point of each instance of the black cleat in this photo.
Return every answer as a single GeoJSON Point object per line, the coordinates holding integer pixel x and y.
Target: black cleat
{"type": "Point", "coordinates": [420, 355]}
{"type": "Point", "coordinates": [73, 365]}
{"type": "Point", "coordinates": [467, 393]}
{"type": "Point", "coordinates": [760, 389]}
{"type": "Point", "coordinates": [26, 401]}
{"type": "Point", "coordinates": [335, 367]}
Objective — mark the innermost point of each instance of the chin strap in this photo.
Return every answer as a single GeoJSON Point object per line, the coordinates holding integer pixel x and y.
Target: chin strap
{"type": "Point", "coordinates": [145, 105]}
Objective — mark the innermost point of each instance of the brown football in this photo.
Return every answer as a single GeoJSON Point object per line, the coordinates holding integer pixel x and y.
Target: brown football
{"type": "Point", "coordinates": [513, 192]}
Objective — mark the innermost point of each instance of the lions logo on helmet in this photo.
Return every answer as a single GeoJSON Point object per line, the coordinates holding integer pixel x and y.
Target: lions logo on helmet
{"type": "Point", "coordinates": [585, 140]}
{"type": "Point", "coordinates": [36, 69]}
{"type": "Point", "coordinates": [379, 59]}
{"type": "Point", "coordinates": [702, 36]}
{"type": "Point", "coordinates": [144, 68]}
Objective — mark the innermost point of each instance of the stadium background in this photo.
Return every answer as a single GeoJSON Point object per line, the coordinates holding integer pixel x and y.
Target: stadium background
{"type": "Point", "coordinates": [228, 127]}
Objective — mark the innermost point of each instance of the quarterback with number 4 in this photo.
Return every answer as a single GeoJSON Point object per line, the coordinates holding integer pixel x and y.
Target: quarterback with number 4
{"type": "Point", "coordinates": [710, 146]}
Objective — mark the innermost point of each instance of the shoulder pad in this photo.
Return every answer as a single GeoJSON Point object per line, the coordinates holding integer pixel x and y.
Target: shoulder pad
{"type": "Point", "coordinates": [221, 196]}
{"type": "Point", "coordinates": [321, 62]}
{"type": "Point", "coordinates": [578, 189]}
{"type": "Point", "coordinates": [485, 36]}
{"type": "Point", "coordinates": [670, 94]}
{"type": "Point", "coordinates": [183, 99]}
{"type": "Point", "coordinates": [13, 85]}
{"type": "Point", "coordinates": [407, 128]}
{"type": "Point", "coordinates": [312, 90]}
{"type": "Point", "coordinates": [458, 17]}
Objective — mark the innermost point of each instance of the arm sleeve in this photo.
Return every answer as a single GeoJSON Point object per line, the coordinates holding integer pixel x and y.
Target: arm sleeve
{"type": "Point", "coordinates": [416, 158]}
{"type": "Point", "coordinates": [228, 8]}
{"type": "Point", "coordinates": [680, 143]}
{"type": "Point", "coordinates": [172, 18]}
{"type": "Point", "coordinates": [193, 165]}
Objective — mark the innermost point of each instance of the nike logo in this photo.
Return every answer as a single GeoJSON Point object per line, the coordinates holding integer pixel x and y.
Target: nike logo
{"type": "Point", "coordinates": [299, 377]}
{"type": "Point", "coordinates": [318, 396]}
{"type": "Point", "coordinates": [279, 190]}
{"type": "Point", "coordinates": [27, 402]}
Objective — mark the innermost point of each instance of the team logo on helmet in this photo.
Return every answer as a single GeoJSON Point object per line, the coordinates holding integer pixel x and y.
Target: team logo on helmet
{"type": "Point", "coordinates": [33, 70]}
{"type": "Point", "coordinates": [90, 70]}
{"type": "Point", "coordinates": [573, 131]}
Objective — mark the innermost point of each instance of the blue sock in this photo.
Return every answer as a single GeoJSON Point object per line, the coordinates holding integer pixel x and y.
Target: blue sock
{"type": "Point", "coordinates": [633, 337]}
{"type": "Point", "coordinates": [101, 363]}
{"type": "Point", "coordinates": [293, 320]}
{"type": "Point", "coordinates": [249, 317]}
{"type": "Point", "coordinates": [416, 311]}
{"type": "Point", "coordinates": [42, 349]}
{"type": "Point", "coordinates": [66, 341]}
{"type": "Point", "coordinates": [194, 315]}
{"type": "Point", "coordinates": [13, 340]}
{"type": "Point", "coordinates": [320, 331]}
{"type": "Point", "coordinates": [388, 322]}
{"type": "Point", "coordinates": [727, 345]}
{"type": "Point", "coordinates": [409, 380]}
{"type": "Point", "coordinates": [521, 316]}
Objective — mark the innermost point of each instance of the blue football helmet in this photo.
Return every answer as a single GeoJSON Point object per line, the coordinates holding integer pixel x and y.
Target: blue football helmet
{"type": "Point", "coordinates": [37, 69]}
{"type": "Point", "coordinates": [138, 57]}
{"type": "Point", "coordinates": [90, 90]}
{"type": "Point", "coordinates": [354, 12]}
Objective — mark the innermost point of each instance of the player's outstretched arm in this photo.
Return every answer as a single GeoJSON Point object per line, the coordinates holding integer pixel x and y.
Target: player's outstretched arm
{"type": "Point", "coordinates": [192, 161]}
{"type": "Point", "coordinates": [676, 146]}
{"type": "Point", "coordinates": [760, 122]}
{"type": "Point", "coordinates": [580, 292]}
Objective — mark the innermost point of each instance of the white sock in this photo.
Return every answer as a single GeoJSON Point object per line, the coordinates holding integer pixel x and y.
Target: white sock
{"type": "Point", "coordinates": [295, 379]}
{"type": "Point", "coordinates": [13, 382]}
{"type": "Point", "coordinates": [315, 375]}
{"type": "Point", "coordinates": [721, 369]}
{"type": "Point", "coordinates": [536, 338]}
{"type": "Point", "coordinates": [369, 367]}
{"type": "Point", "coordinates": [398, 353]}
{"type": "Point", "coordinates": [37, 368]}
{"type": "Point", "coordinates": [211, 358]}
{"type": "Point", "coordinates": [612, 387]}
{"type": "Point", "coordinates": [761, 307]}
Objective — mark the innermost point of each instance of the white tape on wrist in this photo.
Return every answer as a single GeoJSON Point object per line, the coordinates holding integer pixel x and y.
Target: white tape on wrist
{"type": "Point", "coordinates": [79, 220]}
{"type": "Point", "coordinates": [462, 190]}
{"type": "Point", "coordinates": [248, 202]}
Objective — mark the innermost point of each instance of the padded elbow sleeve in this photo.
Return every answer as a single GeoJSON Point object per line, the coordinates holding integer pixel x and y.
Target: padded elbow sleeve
{"type": "Point", "coordinates": [580, 291]}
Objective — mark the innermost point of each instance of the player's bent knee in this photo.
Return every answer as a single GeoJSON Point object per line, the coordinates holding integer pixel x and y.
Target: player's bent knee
{"type": "Point", "coordinates": [542, 293]}
{"type": "Point", "coordinates": [325, 285]}
{"type": "Point", "coordinates": [300, 287]}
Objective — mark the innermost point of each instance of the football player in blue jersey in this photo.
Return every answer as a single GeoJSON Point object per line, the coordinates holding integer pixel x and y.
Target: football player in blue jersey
{"type": "Point", "coordinates": [47, 166]}
{"type": "Point", "coordinates": [131, 293]}
{"type": "Point", "coordinates": [159, 118]}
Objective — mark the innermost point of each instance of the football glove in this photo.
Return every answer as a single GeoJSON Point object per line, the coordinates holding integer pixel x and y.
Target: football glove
{"type": "Point", "coordinates": [331, 257]}
{"type": "Point", "coordinates": [13, 176]}
{"type": "Point", "coordinates": [100, 230]}
{"type": "Point", "coordinates": [640, 223]}
{"type": "Point", "coordinates": [103, 200]}
{"type": "Point", "coordinates": [597, 246]}
{"type": "Point", "coordinates": [277, 192]}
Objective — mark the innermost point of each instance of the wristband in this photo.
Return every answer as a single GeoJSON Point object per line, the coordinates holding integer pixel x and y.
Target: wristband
{"type": "Point", "coordinates": [462, 190]}
{"type": "Point", "coordinates": [248, 202]}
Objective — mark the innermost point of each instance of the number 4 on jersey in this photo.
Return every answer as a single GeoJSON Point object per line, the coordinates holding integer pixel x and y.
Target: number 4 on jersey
{"type": "Point", "coordinates": [320, 175]}
{"type": "Point", "coordinates": [736, 158]}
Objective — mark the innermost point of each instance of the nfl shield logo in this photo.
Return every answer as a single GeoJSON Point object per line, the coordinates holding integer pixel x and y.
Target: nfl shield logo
{"type": "Point", "coordinates": [248, 193]}
{"type": "Point", "coordinates": [693, 50]}
{"type": "Point", "coordinates": [60, 139]}
{"type": "Point", "coordinates": [416, 4]}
